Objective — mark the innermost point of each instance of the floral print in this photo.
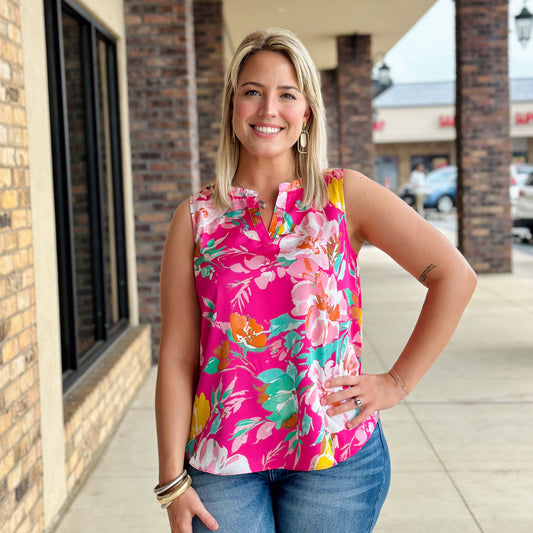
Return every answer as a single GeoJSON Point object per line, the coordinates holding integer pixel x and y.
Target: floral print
{"type": "Point", "coordinates": [281, 313]}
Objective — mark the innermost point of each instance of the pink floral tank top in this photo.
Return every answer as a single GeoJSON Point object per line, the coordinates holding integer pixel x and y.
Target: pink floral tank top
{"type": "Point", "coordinates": [281, 313]}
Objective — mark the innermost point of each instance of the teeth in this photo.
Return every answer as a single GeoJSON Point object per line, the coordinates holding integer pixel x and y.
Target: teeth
{"type": "Point", "coordinates": [266, 129]}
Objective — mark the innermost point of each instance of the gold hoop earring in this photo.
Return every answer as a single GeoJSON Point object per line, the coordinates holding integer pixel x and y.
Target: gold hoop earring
{"type": "Point", "coordinates": [303, 140]}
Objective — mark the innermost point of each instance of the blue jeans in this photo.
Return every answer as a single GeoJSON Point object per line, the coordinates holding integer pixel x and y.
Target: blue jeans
{"type": "Point", "coordinates": [345, 498]}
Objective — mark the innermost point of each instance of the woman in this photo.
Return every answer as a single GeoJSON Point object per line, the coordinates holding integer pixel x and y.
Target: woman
{"type": "Point", "coordinates": [260, 394]}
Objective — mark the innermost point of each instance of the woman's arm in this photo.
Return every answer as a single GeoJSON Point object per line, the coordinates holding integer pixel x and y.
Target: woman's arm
{"type": "Point", "coordinates": [377, 216]}
{"type": "Point", "coordinates": [178, 365]}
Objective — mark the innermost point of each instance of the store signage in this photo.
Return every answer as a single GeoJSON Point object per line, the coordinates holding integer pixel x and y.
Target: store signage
{"type": "Point", "coordinates": [378, 125]}
{"type": "Point", "coordinates": [523, 118]}
{"type": "Point", "coordinates": [446, 121]}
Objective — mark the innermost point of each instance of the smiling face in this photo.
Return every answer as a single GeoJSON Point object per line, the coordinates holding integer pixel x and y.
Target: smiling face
{"type": "Point", "coordinates": [268, 108]}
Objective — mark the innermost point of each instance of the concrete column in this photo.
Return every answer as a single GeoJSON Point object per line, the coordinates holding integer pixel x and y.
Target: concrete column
{"type": "Point", "coordinates": [354, 86]}
{"type": "Point", "coordinates": [482, 122]}
{"type": "Point", "coordinates": [208, 38]}
{"type": "Point", "coordinates": [330, 97]}
{"type": "Point", "coordinates": [163, 129]}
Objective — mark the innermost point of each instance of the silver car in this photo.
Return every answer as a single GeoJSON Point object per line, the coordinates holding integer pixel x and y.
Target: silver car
{"type": "Point", "coordinates": [522, 211]}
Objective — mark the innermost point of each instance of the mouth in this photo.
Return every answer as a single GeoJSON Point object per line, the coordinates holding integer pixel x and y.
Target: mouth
{"type": "Point", "coordinates": [266, 130]}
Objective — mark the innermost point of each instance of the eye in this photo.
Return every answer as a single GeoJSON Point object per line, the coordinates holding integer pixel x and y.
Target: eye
{"type": "Point", "coordinates": [289, 96]}
{"type": "Point", "coordinates": [251, 92]}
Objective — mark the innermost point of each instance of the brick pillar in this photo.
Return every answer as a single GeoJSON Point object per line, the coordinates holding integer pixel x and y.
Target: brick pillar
{"type": "Point", "coordinates": [483, 146]}
{"type": "Point", "coordinates": [354, 86]}
{"type": "Point", "coordinates": [21, 484]}
{"type": "Point", "coordinates": [330, 96]}
{"type": "Point", "coordinates": [208, 38]}
{"type": "Point", "coordinates": [164, 131]}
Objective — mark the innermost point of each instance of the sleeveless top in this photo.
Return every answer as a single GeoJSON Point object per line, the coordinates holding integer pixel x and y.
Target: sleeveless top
{"type": "Point", "coordinates": [280, 314]}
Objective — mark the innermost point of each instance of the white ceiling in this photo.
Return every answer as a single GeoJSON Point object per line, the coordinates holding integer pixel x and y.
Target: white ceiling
{"type": "Point", "coordinates": [318, 23]}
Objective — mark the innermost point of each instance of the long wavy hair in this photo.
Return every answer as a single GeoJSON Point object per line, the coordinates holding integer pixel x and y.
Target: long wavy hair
{"type": "Point", "coordinates": [309, 168]}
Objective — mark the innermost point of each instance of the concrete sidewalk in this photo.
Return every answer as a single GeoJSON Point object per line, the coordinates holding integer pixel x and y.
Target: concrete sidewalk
{"type": "Point", "coordinates": [461, 444]}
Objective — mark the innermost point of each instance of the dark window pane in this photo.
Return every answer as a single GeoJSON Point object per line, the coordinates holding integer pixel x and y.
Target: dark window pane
{"type": "Point", "coordinates": [79, 186]}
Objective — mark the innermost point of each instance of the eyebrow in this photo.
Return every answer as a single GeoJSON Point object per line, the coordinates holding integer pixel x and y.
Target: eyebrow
{"type": "Point", "coordinates": [283, 87]}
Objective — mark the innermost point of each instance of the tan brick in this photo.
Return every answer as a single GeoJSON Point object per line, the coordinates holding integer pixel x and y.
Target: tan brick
{"type": "Point", "coordinates": [6, 420]}
{"type": "Point", "coordinates": [20, 218]}
{"type": "Point", "coordinates": [5, 71]}
{"type": "Point", "coordinates": [24, 299]}
{"type": "Point", "coordinates": [5, 177]}
{"type": "Point", "coordinates": [4, 378]}
{"type": "Point", "coordinates": [27, 277]}
{"type": "Point", "coordinates": [26, 339]}
{"type": "Point", "coordinates": [9, 349]}
{"type": "Point", "coordinates": [7, 156]}
{"type": "Point", "coordinates": [16, 367]}
{"type": "Point", "coordinates": [10, 242]}
{"type": "Point", "coordinates": [6, 110]}
{"type": "Point", "coordinates": [19, 116]}
{"type": "Point", "coordinates": [24, 238]}
{"type": "Point", "coordinates": [13, 32]}
{"type": "Point", "coordinates": [28, 317]}
{"type": "Point", "coordinates": [9, 51]}
{"type": "Point", "coordinates": [20, 177]}
{"type": "Point", "coordinates": [6, 265]}
{"type": "Point", "coordinates": [20, 259]}
{"type": "Point", "coordinates": [21, 157]}
{"type": "Point", "coordinates": [15, 325]}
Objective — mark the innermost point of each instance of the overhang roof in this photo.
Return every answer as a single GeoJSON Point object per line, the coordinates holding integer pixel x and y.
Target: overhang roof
{"type": "Point", "coordinates": [442, 94]}
{"type": "Point", "coordinates": [318, 23]}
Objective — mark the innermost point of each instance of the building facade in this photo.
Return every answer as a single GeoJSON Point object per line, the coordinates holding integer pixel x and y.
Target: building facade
{"type": "Point", "coordinates": [415, 123]}
{"type": "Point", "coordinates": [108, 120]}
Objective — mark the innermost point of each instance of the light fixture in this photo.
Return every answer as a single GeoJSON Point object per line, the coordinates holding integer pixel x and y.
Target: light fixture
{"type": "Point", "coordinates": [384, 75]}
{"type": "Point", "coordinates": [383, 80]}
{"type": "Point", "coordinates": [524, 22]}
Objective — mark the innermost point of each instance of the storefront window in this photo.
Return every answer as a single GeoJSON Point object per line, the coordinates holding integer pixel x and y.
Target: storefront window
{"type": "Point", "coordinates": [387, 171]}
{"type": "Point", "coordinates": [87, 183]}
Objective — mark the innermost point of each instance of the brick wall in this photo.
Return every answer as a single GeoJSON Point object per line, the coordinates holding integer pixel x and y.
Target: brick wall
{"type": "Point", "coordinates": [329, 95]}
{"type": "Point", "coordinates": [21, 503]}
{"type": "Point", "coordinates": [163, 130]}
{"type": "Point", "coordinates": [95, 405]}
{"type": "Point", "coordinates": [354, 86]}
{"type": "Point", "coordinates": [208, 34]}
{"type": "Point", "coordinates": [482, 122]}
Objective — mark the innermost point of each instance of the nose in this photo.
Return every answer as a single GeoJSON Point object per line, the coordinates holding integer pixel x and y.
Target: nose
{"type": "Point", "coordinates": [268, 106]}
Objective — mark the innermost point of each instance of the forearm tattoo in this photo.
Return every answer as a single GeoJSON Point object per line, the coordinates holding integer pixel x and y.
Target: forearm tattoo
{"type": "Point", "coordinates": [424, 274]}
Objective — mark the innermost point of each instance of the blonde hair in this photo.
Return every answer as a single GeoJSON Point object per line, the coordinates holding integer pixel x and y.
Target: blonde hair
{"type": "Point", "coordinates": [309, 168]}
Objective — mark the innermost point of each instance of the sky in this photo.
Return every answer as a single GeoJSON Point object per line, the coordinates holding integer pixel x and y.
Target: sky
{"type": "Point", "coordinates": [412, 60]}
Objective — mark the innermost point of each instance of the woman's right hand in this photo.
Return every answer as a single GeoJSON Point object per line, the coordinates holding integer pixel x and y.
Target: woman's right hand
{"type": "Point", "coordinates": [182, 510]}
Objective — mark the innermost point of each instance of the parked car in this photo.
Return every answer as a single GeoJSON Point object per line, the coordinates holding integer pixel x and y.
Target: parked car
{"type": "Point", "coordinates": [519, 173]}
{"type": "Point", "coordinates": [522, 212]}
{"type": "Point", "coordinates": [441, 186]}
{"type": "Point", "coordinates": [441, 189]}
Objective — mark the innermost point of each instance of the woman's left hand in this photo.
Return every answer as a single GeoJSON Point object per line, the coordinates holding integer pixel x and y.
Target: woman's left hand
{"type": "Point", "coordinates": [374, 391]}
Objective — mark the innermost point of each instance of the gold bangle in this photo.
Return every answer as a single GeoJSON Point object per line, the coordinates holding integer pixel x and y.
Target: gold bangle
{"type": "Point", "coordinates": [177, 492]}
{"type": "Point", "coordinates": [399, 380]}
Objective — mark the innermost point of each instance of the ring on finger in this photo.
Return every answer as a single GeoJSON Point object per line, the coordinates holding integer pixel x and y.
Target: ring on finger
{"type": "Point", "coordinates": [358, 402]}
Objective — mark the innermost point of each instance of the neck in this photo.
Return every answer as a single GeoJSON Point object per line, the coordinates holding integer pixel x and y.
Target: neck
{"type": "Point", "coordinates": [264, 174]}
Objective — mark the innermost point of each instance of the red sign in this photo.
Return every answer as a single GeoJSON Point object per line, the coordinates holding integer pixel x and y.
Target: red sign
{"type": "Point", "coordinates": [523, 118]}
{"type": "Point", "coordinates": [378, 125]}
{"type": "Point", "coordinates": [446, 121]}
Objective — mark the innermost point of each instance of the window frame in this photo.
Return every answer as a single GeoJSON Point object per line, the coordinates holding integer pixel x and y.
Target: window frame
{"type": "Point", "coordinates": [74, 364]}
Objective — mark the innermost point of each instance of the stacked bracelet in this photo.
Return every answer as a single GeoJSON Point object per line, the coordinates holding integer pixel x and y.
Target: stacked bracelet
{"type": "Point", "coordinates": [166, 494]}
{"type": "Point", "coordinates": [161, 489]}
